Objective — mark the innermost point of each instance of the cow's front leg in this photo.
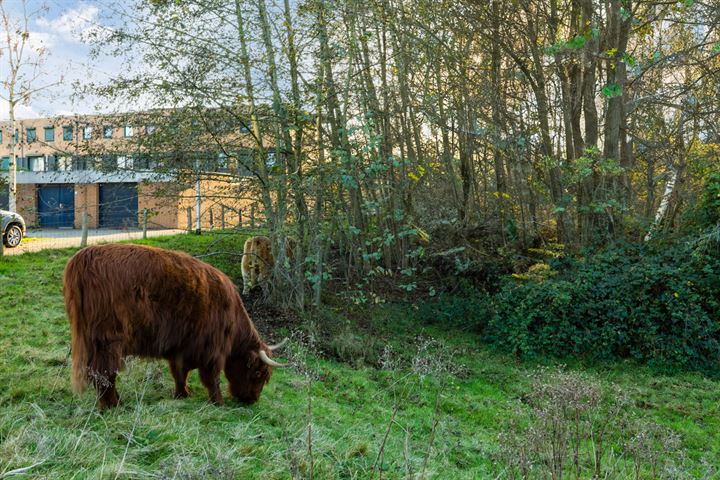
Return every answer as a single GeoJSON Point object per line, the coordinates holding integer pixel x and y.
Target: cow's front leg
{"type": "Point", "coordinates": [246, 275]}
{"type": "Point", "coordinates": [107, 395]}
{"type": "Point", "coordinates": [180, 373]}
{"type": "Point", "coordinates": [210, 377]}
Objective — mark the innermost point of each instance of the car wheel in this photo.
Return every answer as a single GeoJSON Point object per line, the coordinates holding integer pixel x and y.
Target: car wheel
{"type": "Point", "coordinates": [13, 236]}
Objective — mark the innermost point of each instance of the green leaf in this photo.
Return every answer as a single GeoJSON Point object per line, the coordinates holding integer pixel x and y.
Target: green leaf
{"type": "Point", "coordinates": [577, 42]}
{"type": "Point", "coordinates": [628, 59]}
{"type": "Point", "coordinates": [612, 90]}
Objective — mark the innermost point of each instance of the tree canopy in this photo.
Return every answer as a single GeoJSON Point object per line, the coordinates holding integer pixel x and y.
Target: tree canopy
{"type": "Point", "coordinates": [390, 123]}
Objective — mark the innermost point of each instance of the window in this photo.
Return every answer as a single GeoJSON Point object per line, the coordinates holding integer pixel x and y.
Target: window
{"type": "Point", "coordinates": [36, 164]}
{"type": "Point", "coordinates": [124, 163]}
{"type": "Point", "coordinates": [128, 131]}
{"type": "Point", "coordinates": [30, 135]}
{"type": "Point", "coordinates": [67, 133]}
{"type": "Point", "coordinates": [221, 164]}
{"type": "Point", "coordinates": [107, 131]}
{"type": "Point", "coordinates": [245, 163]}
{"type": "Point", "coordinates": [16, 136]}
{"type": "Point", "coordinates": [78, 163]}
{"type": "Point", "coordinates": [64, 163]}
{"type": "Point", "coordinates": [87, 133]}
{"type": "Point", "coordinates": [1, 136]}
{"type": "Point", "coordinates": [108, 163]}
{"type": "Point", "coordinates": [149, 129]}
{"type": "Point", "coordinates": [5, 163]}
{"type": "Point", "coordinates": [145, 162]}
{"type": "Point", "coordinates": [49, 134]}
{"type": "Point", "coordinates": [270, 162]}
{"type": "Point", "coordinates": [51, 163]}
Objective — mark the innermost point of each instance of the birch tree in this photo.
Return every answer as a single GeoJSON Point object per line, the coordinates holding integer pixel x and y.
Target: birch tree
{"type": "Point", "coordinates": [22, 77]}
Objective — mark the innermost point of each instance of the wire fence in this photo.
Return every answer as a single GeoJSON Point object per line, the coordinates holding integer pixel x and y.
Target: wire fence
{"type": "Point", "coordinates": [55, 220]}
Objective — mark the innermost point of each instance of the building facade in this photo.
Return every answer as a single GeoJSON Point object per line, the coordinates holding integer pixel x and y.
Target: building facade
{"type": "Point", "coordinates": [70, 165]}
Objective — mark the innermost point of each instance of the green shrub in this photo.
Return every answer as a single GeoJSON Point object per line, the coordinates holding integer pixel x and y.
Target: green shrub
{"type": "Point", "coordinates": [709, 207]}
{"type": "Point", "coordinates": [656, 304]}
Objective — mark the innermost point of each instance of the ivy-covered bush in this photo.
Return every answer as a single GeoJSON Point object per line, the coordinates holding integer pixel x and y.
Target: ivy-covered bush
{"type": "Point", "coordinates": [709, 207]}
{"type": "Point", "coordinates": [653, 303]}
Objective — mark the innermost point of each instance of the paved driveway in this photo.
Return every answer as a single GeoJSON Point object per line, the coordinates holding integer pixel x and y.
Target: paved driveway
{"type": "Point", "coordinates": [44, 239]}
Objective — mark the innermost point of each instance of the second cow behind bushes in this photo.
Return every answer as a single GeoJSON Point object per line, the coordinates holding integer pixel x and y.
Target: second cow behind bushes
{"type": "Point", "coordinates": [258, 261]}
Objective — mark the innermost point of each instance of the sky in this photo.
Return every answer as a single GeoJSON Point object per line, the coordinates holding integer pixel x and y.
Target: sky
{"type": "Point", "coordinates": [59, 28]}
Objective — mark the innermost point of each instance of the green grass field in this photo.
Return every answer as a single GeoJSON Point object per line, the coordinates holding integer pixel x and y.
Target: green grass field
{"type": "Point", "coordinates": [434, 404]}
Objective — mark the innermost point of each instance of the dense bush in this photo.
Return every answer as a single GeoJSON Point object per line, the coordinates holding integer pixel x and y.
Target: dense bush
{"type": "Point", "coordinates": [657, 303]}
{"type": "Point", "coordinates": [654, 303]}
{"type": "Point", "coordinates": [709, 207]}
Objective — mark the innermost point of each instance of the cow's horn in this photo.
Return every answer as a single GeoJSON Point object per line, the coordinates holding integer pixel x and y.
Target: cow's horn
{"type": "Point", "coordinates": [269, 361]}
{"type": "Point", "coordinates": [272, 348]}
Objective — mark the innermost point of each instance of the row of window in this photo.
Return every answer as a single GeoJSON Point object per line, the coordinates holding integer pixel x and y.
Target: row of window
{"type": "Point", "coordinates": [31, 134]}
{"type": "Point", "coordinates": [54, 163]}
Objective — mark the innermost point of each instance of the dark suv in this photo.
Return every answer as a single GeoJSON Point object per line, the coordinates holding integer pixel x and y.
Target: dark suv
{"type": "Point", "coordinates": [12, 227]}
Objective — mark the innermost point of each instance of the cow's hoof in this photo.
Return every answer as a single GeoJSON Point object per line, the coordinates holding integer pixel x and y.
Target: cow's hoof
{"type": "Point", "coordinates": [108, 403]}
{"type": "Point", "coordinates": [181, 393]}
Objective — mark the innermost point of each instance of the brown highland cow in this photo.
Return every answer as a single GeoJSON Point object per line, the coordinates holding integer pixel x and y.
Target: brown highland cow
{"type": "Point", "coordinates": [258, 260]}
{"type": "Point", "coordinates": [136, 300]}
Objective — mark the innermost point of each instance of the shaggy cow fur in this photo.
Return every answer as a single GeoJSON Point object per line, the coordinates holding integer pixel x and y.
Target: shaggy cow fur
{"type": "Point", "coordinates": [136, 300]}
{"type": "Point", "coordinates": [258, 260]}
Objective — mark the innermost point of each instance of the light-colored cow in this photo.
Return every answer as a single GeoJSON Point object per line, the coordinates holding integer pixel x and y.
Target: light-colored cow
{"type": "Point", "coordinates": [257, 262]}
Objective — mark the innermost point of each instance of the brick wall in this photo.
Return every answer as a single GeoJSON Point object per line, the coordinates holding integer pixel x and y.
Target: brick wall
{"type": "Point", "coordinates": [218, 196]}
{"type": "Point", "coordinates": [87, 196]}
{"type": "Point", "coordinates": [161, 200]}
{"type": "Point", "coordinates": [27, 203]}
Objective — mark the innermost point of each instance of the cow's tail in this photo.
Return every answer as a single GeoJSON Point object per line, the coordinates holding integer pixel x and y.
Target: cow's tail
{"type": "Point", "coordinates": [72, 290]}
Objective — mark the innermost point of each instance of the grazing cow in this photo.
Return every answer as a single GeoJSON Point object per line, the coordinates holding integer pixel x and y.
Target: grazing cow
{"type": "Point", "coordinates": [136, 300]}
{"type": "Point", "coordinates": [258, 260]}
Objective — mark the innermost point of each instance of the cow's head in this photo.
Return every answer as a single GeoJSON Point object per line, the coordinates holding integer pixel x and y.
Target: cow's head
{"type": "Point", "coordinates": [247, 374]}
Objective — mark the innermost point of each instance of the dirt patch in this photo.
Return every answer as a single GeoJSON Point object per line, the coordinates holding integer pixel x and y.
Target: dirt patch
{"type": "Point", "coordinates": [268, 319]}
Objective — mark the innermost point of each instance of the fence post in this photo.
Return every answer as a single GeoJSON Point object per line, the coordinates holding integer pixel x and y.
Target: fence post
{"type": "Point", "coordinates": [222, 217]}
{"type": "Point", "coordinates": [84, 226]}
{"type": "Point", "coordinates": [212, 220]}
{"type": "Point", "coordinates": [189, 219]}
{"type": "Point", "coordinates": [240, 218]}
{"type": "Point", "coordinates": [198, 208]}
{"type": "Point", "coordinates": [145, 218]}
{"type": "Point", "coordinates": [2, 246]}
{"type": "Point", "coordinates": [252, 216]}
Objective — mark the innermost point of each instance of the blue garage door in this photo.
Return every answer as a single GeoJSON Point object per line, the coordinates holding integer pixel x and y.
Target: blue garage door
{"type": "Point", "coordinates": [118, 205]}
{"type": "Point", "coordinates": [56, 205]}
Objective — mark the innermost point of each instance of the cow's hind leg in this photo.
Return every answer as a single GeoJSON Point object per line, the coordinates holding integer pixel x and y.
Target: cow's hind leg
{"type": "Point", "coordinates": [210, 377]}
{"type": "Point", "coordinates": [180, 373]}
